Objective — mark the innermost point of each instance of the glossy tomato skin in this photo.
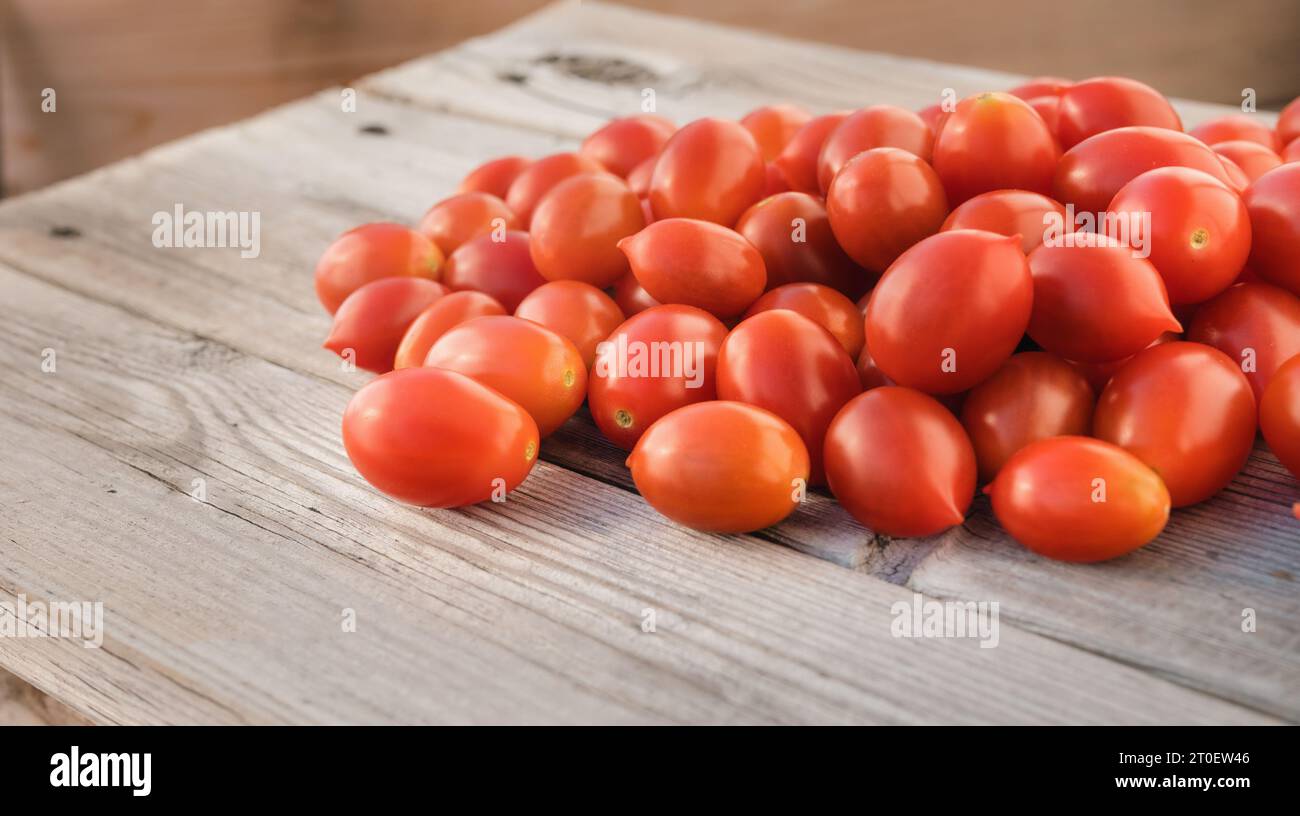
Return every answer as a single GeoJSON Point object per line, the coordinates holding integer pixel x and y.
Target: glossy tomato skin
{"type": "Point", "coordinates": [1035, 395]}
{"type": "Point", "coordinates": [630, 297]}
{"type": "Point", "coordinates": [950, 311]}
{"type": "Point", "coordinates": [370, 324]}
{"type": "Point", "coordinates": [1256, 324]}
{"type": "Point", "coordinates": [527, 362]}
{"type": "Point", "coordinates": [630, 386]}
{"type": "Point", "coordinates": [436, 438]}
{"type": "Point", "coordinates": [822, 305]}
{"type": "Point", "coordinates": [1235, 127]}
{"type": "Point", "coordinates": [449, 310]}
{"type": "Point", "coordinates": [1008, 212]}
{"type": "Point", "coordinates": [454, 221]}
{"type": "Point", "coordinates": [494, 177]}
{"type": "Point", "coordinates": [900, 463]}
{"type": "Point", "coordinates": [994, 141]}
{"type": "Point", "coordinates": [502, 269]}
{"type": "Point", "coordinates": [721, 467]}
{"type": "Point", "coordinates": [1252, 157]}
{"type": "Point", "coordinates": [697, 263]}
{"type": "Point", "coordinates": [371, 252]}
{"type": "Point", "coordinates": [876, 126]}
{"type": "Point", "coordinates": [537, 179]}
{"type": "Point", "coordinates": [1279, 415]}
{"type": "Point", "coordinates": [621, 144]}
{"type": "Point", "coordinates": [773, 126]}
{"type": "Point", "coordinates": [793, 234]}
{"type": "Point", "coordinates": [576, 310]}
{"type": "Point", "coordinates": [709, 170]}
{"type": "Point", "coordinates": [882, 202]}
{"type": "Point", "coordinates": [1107, 103]}
{"type": "Point", "coordinates": [1184, 409]}
{"type": "Point", "coordinates": [1072, 498]}
{"type": "Point", "coordinates": [798, 161]}
{"type": "Point", "coordinates": [1273, 202]}
{"type": "Point", "coordinates": [576, 228]}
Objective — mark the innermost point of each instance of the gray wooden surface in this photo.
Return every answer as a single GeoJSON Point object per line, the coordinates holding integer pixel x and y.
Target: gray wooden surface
{"type": "Point", "coordinates": [184, 364]}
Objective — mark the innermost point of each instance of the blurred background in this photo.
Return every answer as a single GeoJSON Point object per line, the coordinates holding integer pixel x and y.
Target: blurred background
{"type": "Point", "coordinates": [133, 73]}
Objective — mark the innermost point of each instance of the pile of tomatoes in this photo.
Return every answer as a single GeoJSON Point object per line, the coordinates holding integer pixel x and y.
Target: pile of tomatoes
{"type": "Point", "coordinates": [897, 306]}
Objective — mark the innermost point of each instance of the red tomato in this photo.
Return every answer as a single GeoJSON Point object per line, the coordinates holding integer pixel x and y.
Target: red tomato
{"type": "Point", "coordinates": [698, 263]}
{"type": "Point", "coordinates": [1235, 127]}
{"type": "Point", "coordinates": [994, 141]}
{"type": "Point", "coordinates": [1185, 410]}
{"type": "Point", "coordinates": [870, 376]}
{"type": "Point", "coordinates": [822, 305]}
{"type": "Point", "coordinates": [502, 269]}
{"type": "Point", "coordinates": [630, 297]}
{"type": "Point", "coordinates": [1098, 374]}
{"type": "Point", "coordinates": [1288, 122]}
{"type": "Point", "coordinates": [494, 177]}
{"type": "Point", "coordinates": [934, 116]}
{"type": "Point", "coordinates": [447, 311]}
{"type": "Point", "coordinates": [438, 439]}
{"type": "Point", "coordinates": [1106, 103]}
{"type": "Point", "coordinates": [710, 170]}
{"type": "Point", "coordinates": [638, 181]}
{"type": "Point", "coordinates": [1095, 301]}
{"type": "Point", "coordinates": [576, 228]}
{"type": "Point", "coordinates": [1041, 86]}
{"type": "Point", "coordinates": [773, 126]}
{"type": "Point", "coordinates": [622, 144]}
{"type": "Point", "coordinates": [798, 161]}
{"type": "Point", "coordinates": [371, 252]}
{"type": "Point", "coordinates": [1049, 108]}
{"type": "Point", "coordinates": [576, 310]}
{"type": "Point", "coordinates": [455, 221]}
{"type": "Point", "coordinates": [656, 362]}
{"type": "Point", "coordinates": [1253, 158]}
{"type": "Point", "coordinates": [1199, 234]}
{"type": "Point", "coordinates": [950, 311]}
{"type": "Point", "coordinates": [782, 361]}
{"type": "Point", "coordinates": [370, 324]}
{"type": "Point", "coordinates": [882, 202]}
{"type": "Point", "coordinates": [900, 462]}
{"type": "Point", "coordinates": [1035, 395]}
{"type": "Point", "coordinates": [721, 467]}
{"type": "Point", "coordinates": [1274, 205]}
{"type": "Point", "coordinates": [876, 126]}
{"type": "Point", "coordinates": [793, 234]}
{"type": "Point", "coordinates": [1255, 324]}
{"type": "Point", "coordinates": [1008, 212]}
{"type": "Point", "coordinates": [1279, 415]}
{"type": "Point", "coordinates": [525, 361]}
{"type": "Point", "coordinates": [1078, 499]}
{"type": "Point", "coordinates": [538, 178]}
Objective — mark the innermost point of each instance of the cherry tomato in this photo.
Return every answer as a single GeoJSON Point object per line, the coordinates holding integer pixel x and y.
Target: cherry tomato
{"type": "Point", "coordinates": [538, 178]}
{"type": "Point", "coordinates": [1107, 103]}
{"type": "Point", "coordinates": [1098, 374]}
{"type": "Point", "coordinates": [436, 438]}
{"type": "Point", "coordinates": [371, 252]}
{"type": "Point", "coordinates": [1274, 205]}
{"type": "Point", "coordinates": [630, 297]}
{"type": "Point", "coordinates": [793, 234]}
{"type": "Point", "coordinates": [455, 221]}
{"type": "Point", "coordinates": [1095, 301]}
{"type": "Point", "coordinates": [822, 305]}
{"type": "Point", "coordinates": [698, 263]}
{"type": "Point", "coordinates": [577, 310]}
{"type": "Point", "coordinates": [1253, 158]}
{"type": "Point", "coordinates": [447, 311]}
{"type": "Point", "coordinates": [502, 269]}
{"type": "Point", "coordinates": [1041, 86]}
{"type": "Point", "coordinates": [798, 161]}
{"type": "Point", "coordinates": [870, 376]}
{"type": "Point", "coordinates": [1256, 324]}
{"type": "Point", "coordinates": [576, 228]}
{"type": "Point", "coordinates": [876, 126]}
{"type": "Point", "coordinates": [494, 177]}
{"type": "Point", "coordinates": [1078, 499]}
{"type": "Point", "coordinates": [370, 324]}
{"type": "Point", "coordinates": [1008, 212]}
{"type": "Point", "coordinates": [527, 362]}
{"type": "Point", "coordinates": [638, 181]}
{"type": "Point", "coordinates": [882, 202]}
{"type": "Point", "coordinates": [900, 462]}
{"type": "Point", "coordinates": [994, 141]}
{"type": "Point", "coordinates": [950, 311]}
{"type": "Point", "coordinates": [1288, 122]}
{"type": "Point", "coordinates": [656, 362]}
{"type": "Point", "coordinates": [710, 170]}
{"type": "Point", "coordinates": [1279, 415]}
{"type": "Point", "coordinates": [622, 144]}
{"type": "Point", "coordinates": [773, 126]}
{"type": "Point", "coordinates": [721, 467]}
{"type": "Point", "coordinates": [1234, 127]}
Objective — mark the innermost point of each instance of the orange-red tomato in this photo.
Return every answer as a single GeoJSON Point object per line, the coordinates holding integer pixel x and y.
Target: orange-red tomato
{"type": "Point", "coordinates": [370, 324]}
{"type": "Point", "coordinates": [721, 467]}
{"type": "Point", "coordinates": [773, 126]}
{"type": "Point", "coordinates": [1041, 86]}
{"type": "Point", "coordinates": [876, 126]}
{"type": "Point", "coordinates": [793, 234]}
{"type": "Point", "coordinates": [798, 161]}
{"type": "Point", "coordinates": [1078, 499]}
{"type": "Point", "coordinates": [437, 438]}
{"type": "Point", "coordinates": [698, 263]}
{"type": "Point", "coordinates": [577, 310]}
{"type": "Point", "coordinates": [710, 170]}
{"type": "Point", "coordinates": [822, 305]}
{"type": "Point", "coordinates": [447, 311]}
{"type": "Point", "coordinates": [1252, 157]}
{"type": "Point", "coordinates": [882, 202]}
{"type": "Point", "coordinates": [576, 228]}
{"type": "Point", "coordinates": [950, 311]}
{"type": "Point", "coordinates": [657, 361]}
{"type": "Point", "coordinates": [1035, 395]}
{"type": "Point", "coordinates": [1107, 103]}
{"type": "Point", "coordinates": [621, 144]}
{"type": "Point", "coordinates": [1273, 202]}
{"type": "Point", "coordinates": [630, 297]}
{"type": "Point", "coordinates": [782, 361]}
{"type": "Point", "coordinates": [1187, 411]}
{"type": "Point", "coordinates": [1279, 415]}
{"type": "Point", "coordinates": [502, 269]}
{"type": "Point", "coordinates": [994, 141]}
{"type": "Point", "coordinates": [455, 221]}
{"type": "Point", "coordinates": [371, 252]}
{"type": "Point", "coordinates": [494, 177]}
{"type": "Point", "coordinates": [1008, 212]}
{"type": "Point", "coordinates": [900, 462]}
{"type": "Point", "coordinates": [1256, 324]}
{"type": "Point", "coordinates": [527, 362]}
{"type": "Point", "coordinates": [1288, 122]}
{"type": "Point", "coordinates": [1235, 127]}
{"type": "Point", "coordinates": [537, 179]}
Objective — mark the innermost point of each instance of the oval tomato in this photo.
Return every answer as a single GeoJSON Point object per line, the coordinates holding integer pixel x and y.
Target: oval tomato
{"type": "Point", "coordinates": [1253, 158]}
{"type": "Point", "coordinates": [371, 252]}
{"type": "Point", "coordinates": [576, 228]}
{"type": "Point", "coordinates": [798, 161]}
{"type": "Point", "coordinates": [621, 144]}
{"type": "Point", "coordinates": [577, 310]}
{"type": "Point", "coordinates": [1106, 103]}
{"type": "Point", "coordinates": [710, 170]}
{"type": "Point", "coordinates": [773, 126]}
{"type": "Point", "coordinates": [1255, 324]}
{"type": "Point", "coordinates": [502, 269]}
{"type": "Point", "coordinates": [1279, 415]}
{"type": "Point", "coordinates": [447, 311]}
{"type": "Point", "coordinates": [1008, 212]}
{"type": "Point", "coordinates": [494, 177]}
{"type": "Point", "coordinates": [698, 263]}
{"type": "Point", "coordinates": [1235, 127]}
{"type": "Point", "coordinates": [455, 221]}
{"type": "Point", "coordinates": [863, 130]}
{"type": "Point", "coordinates": [882, 202]}
{"type": "Point", "coordinates": [994, 141]}
{"type": "Point", "coordinates": [537, 179]}
{"type": "Point", "coordinates": [370, 324]}
{"type": "Point", "coordinates": [1273, 202]}
{"type": "Point", "coordinates": [630, 297]}
{"type": "Point", "coordinates": [793, 234]}
{"type": "Point", "coordinates": [822, 305]}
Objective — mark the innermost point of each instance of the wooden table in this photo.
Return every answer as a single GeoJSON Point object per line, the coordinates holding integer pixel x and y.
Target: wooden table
{"type": "Point", "coordinates": [184, 372]}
